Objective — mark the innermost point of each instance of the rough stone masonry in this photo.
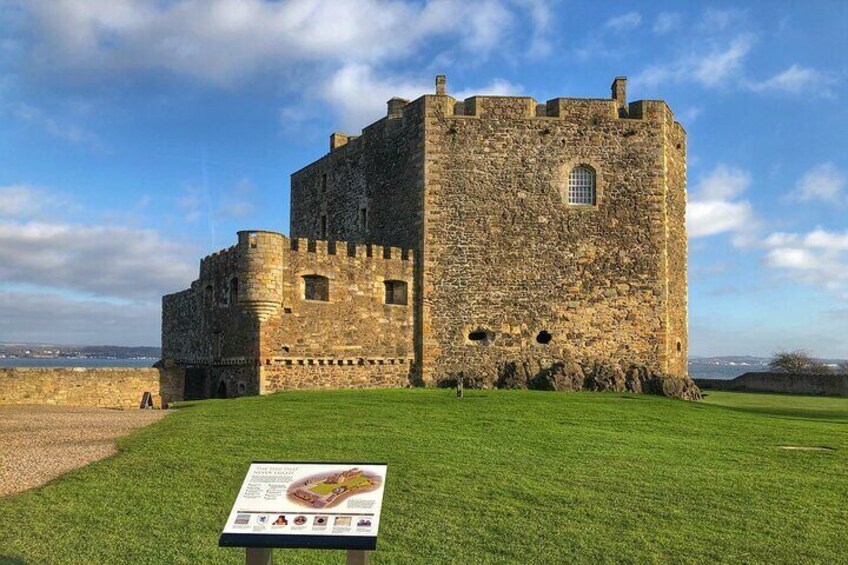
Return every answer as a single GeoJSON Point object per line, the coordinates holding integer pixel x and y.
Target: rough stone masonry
{"type": "Point", "coordinates": [506, 241]}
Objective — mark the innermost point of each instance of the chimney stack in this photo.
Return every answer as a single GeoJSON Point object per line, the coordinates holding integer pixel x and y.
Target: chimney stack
{"type": "Point", "coordinates": [441, 82]}
{"type": "Point", "coordinates": [619, 94]}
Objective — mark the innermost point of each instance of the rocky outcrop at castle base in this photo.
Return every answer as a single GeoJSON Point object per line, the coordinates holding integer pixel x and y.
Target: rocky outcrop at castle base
{"type": "Point", "coordinates": [595, 376]}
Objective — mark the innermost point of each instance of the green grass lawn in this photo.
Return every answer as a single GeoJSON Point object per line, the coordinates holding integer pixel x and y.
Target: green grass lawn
{"type": "Point", "coordinates": [496, 477]}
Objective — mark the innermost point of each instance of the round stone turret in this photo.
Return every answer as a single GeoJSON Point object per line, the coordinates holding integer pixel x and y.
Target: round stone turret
{"type": "Point", "coordinates": [260, 265]}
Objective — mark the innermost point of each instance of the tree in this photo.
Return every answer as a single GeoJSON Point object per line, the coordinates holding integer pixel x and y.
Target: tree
{"type": "Point", "coordinates": [843, 368]}
{"type": "Point", "coordinates": [798, 361]}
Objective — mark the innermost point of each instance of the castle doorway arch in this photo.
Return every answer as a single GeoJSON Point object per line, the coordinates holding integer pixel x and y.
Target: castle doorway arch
{"type": "Point", "coordinates": [221, 392]}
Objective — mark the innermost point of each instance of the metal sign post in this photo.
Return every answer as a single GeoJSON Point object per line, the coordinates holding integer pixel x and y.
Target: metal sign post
{"type": "Point", "coordinates": [307, 505]}
{"type": "Point", "coordinates": [358, 557]}
{"type": "Point", "coordinates": [259, 556]}
{"type": "Point", "coordinates": [264, 556]}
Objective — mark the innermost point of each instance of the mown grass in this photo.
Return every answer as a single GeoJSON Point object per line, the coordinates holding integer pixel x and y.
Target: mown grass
{"type": "Point", "coordinates": [496, 477]}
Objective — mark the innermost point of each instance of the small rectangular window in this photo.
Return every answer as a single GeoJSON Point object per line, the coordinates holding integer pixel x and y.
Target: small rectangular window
{"type": "Point", "coordinates": [316, 287]}
{"type": "Point", "coordinates": [322, 231]}
{"type": "Point", "coordinates": [323, 183]}
{"type": "Point", "coordinates": [396, 292]}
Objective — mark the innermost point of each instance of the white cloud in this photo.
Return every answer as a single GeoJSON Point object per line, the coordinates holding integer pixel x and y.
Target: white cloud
{"type": "Point", "coordinates": [824, 182]}
{"type": "Point", "coordinates": [223, 41]}
{"type": "Point", "coordinates": [829, 241]}
{"type": "Point", "coordinates": [104, 261]}
{"type": "Point", "coordinates": [717, 67]}
{"type": "Point", "coordinates": [723, 183]}
{"type": "Point", "coordinates": [51, 317]}
{"type": "Point", "coordinates": [666, 22]}
{"type": "Point", "coordinates": [819, 258]}
{"type": "Point", "coordinates": [20, 200]}
{"type": "Point", "coordinates": [359, 97]}
{"type": "Point", "coordinates": [798, 80]}
{"type": "Point", "coordinates": [715, 217]}
{"type": "Point", "coordinates": [83, 282]}
{"type": "Point", "coordinates": [714, 68]}
{"type": "Point", "coordinates": [625, 22]}
{"type": "Point", "coordinates": [714, 206]}
{"type": "Point", "coordinates": [792, 259]}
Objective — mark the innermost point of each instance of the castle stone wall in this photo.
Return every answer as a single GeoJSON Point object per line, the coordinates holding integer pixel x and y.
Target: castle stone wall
{"type": "Point", "coordinates": [380, 171]}
{"type": "Point", "coordinates": [107, 387]}
{"type": "Point", "coordinates": [356, 321]}
{"type": "Point", "coordinates": [224, 335]}
{"type": "Point", "coordinates": [786, 383]}
{"type": "Point", "coordinates": [337, 373]}
{"type": "Point", "coordinates": [676, 325]}
{"type": "Point", "coordinates": [505, 253]}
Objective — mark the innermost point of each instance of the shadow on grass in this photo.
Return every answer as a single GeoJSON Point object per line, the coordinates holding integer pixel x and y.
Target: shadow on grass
{"type": "Point", "coordinates": [9, 560]}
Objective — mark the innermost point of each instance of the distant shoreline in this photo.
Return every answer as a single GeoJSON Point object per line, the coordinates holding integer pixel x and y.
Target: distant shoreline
{"type": "Point", "coordinates": [73, 362]}
{"type": "Point", "coordinates": [696, 370]}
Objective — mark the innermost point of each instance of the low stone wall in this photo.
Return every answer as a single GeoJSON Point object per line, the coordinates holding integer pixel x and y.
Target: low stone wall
{"type": "Point", "coordinates": [365, 374]}
{"type": "Point", "coordinates": [105, 387]}
{"type": "Point", "coordinates": [790, 383]}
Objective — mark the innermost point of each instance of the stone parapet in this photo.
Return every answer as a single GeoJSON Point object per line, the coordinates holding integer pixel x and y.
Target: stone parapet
{"type": "Point", "coordinates": [104, 387]}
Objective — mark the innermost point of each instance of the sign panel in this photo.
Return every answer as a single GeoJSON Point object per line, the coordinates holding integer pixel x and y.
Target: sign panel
{"type": "Point", "coordinates": [310, 505]}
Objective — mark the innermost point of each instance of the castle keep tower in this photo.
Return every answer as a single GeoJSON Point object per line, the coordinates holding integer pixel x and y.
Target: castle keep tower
{"type": "Point", "coordinates": [471, 236]}
{"type": "Point", "coordinates": [543, 230]}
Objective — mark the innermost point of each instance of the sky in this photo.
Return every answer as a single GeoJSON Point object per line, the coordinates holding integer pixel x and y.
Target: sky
{"type": "Point", "coordinates": [138, 136]}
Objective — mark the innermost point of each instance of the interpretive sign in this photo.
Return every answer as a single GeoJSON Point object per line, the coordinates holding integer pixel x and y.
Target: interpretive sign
{"type": "Point", "coordinates": [307, 505]}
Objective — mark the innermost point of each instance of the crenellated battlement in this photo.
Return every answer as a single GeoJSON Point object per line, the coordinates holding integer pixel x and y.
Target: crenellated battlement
{"type": "Point", "coordinates": [349, 249]}
{"type": "Point", "coordinates": [228, 258]}
{"type": "Point", "coordinates": [214, 261]}
{"type": "Point", "coordinates": [512, 108]}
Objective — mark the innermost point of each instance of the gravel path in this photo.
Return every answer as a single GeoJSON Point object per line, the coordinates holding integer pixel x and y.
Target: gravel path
{"type": "Point", "coordinates": [39, 443]}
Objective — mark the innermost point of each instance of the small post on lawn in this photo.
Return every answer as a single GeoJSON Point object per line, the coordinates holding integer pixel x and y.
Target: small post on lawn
{"type": "Point", "coordinates": [259, 556]}
{"type": "Point", "coordinates": [358, 557]}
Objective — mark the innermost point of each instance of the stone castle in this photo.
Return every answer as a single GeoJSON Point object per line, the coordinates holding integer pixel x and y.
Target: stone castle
{"type": "Point", "coordinates": [491, 237]}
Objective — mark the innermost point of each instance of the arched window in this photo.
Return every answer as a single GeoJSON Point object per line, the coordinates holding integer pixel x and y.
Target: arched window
{"type": "Point", "coordinates": [316, 287]}
{"type": "Point", "coordinates": [581, 186]}
{"type": "Point", "coordinates": [395, 292]}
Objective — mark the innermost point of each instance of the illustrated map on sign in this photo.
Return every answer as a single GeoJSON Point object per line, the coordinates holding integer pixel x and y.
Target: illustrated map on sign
{"type": "Point", "coordinates": [330, 489]}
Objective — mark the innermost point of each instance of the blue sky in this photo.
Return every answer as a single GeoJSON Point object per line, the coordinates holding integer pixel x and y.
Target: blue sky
{"type": "Point", "coordinates": [137, 136]}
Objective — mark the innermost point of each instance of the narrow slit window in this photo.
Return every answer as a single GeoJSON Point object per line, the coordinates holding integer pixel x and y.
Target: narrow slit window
{"type": "Point", "coordinates": [363, 218]}
{"type": "Point", "coordinates": [396, 292]}
{"type": "Point", "coordinates": [316, 287]}
{"type": "Point", "coordinates": [322, 228]}
{"type": "Point", "coordinates": [234, 290]}
{"type": "Point", "coordinates": [323, 183]}
{"type": "Point", "coordinates": [581, 186]}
